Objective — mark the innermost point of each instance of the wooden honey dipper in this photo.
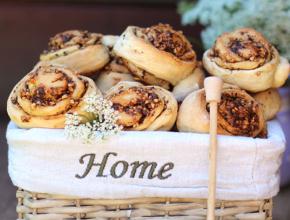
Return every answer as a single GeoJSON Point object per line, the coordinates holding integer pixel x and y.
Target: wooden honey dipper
{"type": "Point", "coordinates": [213, 90]}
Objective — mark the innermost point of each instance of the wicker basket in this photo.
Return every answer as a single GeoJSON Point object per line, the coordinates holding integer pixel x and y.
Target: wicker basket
{"type": "Point", "coordinates": [39, 206]}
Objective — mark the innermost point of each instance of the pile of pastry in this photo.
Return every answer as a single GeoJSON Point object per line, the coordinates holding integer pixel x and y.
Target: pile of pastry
{"type": "Point", "coordinates": [154, 81]}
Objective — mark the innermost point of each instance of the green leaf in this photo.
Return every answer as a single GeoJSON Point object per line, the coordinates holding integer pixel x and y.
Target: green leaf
{"type": "Point", "coordinates": [185, 5]}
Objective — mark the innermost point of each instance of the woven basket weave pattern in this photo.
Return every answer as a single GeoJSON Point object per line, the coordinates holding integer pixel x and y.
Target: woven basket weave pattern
{"type": "Point", "coordinates": [39, 206]}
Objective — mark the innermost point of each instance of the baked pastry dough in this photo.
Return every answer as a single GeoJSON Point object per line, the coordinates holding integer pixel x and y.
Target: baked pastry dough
{"type": "Point", "coordinates": [145, 77]}
{"type": "Point", "coordinates": [116, 65]}
{"type": "Point", "coordinates": [81, 51]}
{"type": "Point", "coordinates": [245, 58]}
{"type": "Point", "coordinates": [107, 80]}
{"type": "Point", "coordinates": [238, 113]}
{"type": "Point", "coordinates": [270, 101]}
{"type": "Point", "coordinates": [109, 40]}
{"type": "Point", "coordinates": [112, 74]}
{"type": "Point", "coordinates": [158, 55]}
{"type": "Point", "coordinates": [191, 83]}
{"type": "Point", "coordinates": [143, 107]}
{"type": "Point", "coordinates": [43, 97]}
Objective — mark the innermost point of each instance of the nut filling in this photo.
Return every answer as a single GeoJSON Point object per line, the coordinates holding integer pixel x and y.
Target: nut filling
{"type": "Point", "coordinates": [240, 114]}
{"type": "Point", "coordinates": [163, 37]}
{"type": "Point", "coordinates": [73, 38]}
{"type": "Point", "coordinates": [47, 92]}
{"type": "Point", "coordinates": [242, 49]}
{"type": "Point", "coordinates": [47, 89]}
{"type": "Point", "coordinates": [137, 105]}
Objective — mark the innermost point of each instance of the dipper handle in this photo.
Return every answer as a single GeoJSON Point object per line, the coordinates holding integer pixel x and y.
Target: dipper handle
{"type": "Point", "coordinates": [213, 90]}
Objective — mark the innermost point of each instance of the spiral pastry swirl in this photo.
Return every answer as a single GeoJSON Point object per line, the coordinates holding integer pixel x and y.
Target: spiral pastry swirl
{"type": "Point", "coordinates": [239, 114]}
{"type": "Point", "coordinates": [242, 49]}
{"type": "Point", "coordinates": [43, 97]}
{"type": "Point", "coordinates": [158, 55]}
{"type": "Point", "coordinates": [82, 51]}
{"type": "Point", "coordinates": [73, 38]}
{"type": "Point", "coordinates": [271, 102]}
{"type": "Point", "coordinates": [164, 38]}
{"type": "Point", "coordinates": [143, 107]}
{"type": "Point", "coordinates": [245, 58]}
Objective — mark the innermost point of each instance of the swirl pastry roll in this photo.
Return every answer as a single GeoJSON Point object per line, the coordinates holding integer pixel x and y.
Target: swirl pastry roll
{"type": "Point", "coordinates": [107, 80]}
{"type": "Point", "coordinates": [245, 58]}
{"type": "Point", "coordinates": [143, 107]}
{"type": "Point", "coordinates": [239, 114]}
{"type": "Point", "coordinates": [270, 100]}
{"type": "Point", "coordinates": [43, 97]}
{"type": "Point", "coordinates": [112, 74]}
{"type": "Point", "coordinates": [116, 65]}
{"type": "Point", "coordinates": [82, 51]}
{"type": "Point", "coordinates": [191, 83]}
{"type": "Point", "coordinates": [157, 55]}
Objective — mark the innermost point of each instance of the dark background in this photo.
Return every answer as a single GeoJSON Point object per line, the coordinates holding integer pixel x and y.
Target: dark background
{"type": "Point", "coordinates": [25, 27]}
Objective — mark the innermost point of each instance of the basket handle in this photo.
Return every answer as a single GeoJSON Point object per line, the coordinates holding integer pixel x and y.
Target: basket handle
{"type": "Point", "coordinates": [213, 87]}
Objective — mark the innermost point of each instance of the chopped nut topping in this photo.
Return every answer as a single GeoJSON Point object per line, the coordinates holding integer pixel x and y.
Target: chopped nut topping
{"type": "Point", "coordinates": [163, 37]}
{"type": "Point", "coordinates": [25, 118]}
{"type": "Point", "coordinates": [47, 89]}
{"type": "Point", "coordinates": [239, 113]}
{"type": "Point", "coordinates": [135, 105]}
{"type": "Point", "coordinates": [64, 96]}
{"type": "Point", "coordinates": [72, 38]}
{"type": "Point", "coordinates": [243, 45]}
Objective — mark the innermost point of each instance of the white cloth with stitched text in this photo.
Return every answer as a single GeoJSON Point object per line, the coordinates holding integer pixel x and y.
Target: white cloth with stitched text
{"type": "Point", "coordinates": [145, 164]}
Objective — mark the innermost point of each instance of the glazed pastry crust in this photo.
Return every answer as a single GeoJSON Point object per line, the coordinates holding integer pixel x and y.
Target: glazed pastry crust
{"type": "Point", "coordinates": [28, 104]}
{"type": "Point", "coordinates": [246, 59]}
{"type": "Point", "coordinates": [80, 51]}
{"type": "Point", "coordinates": [133, 100]}
{"type": "Point", "coordinates": [163, 65]}
{"type": "Point", "coordinates": [270, 101]}
{"type": "Point", "coordinates": [193, 114]}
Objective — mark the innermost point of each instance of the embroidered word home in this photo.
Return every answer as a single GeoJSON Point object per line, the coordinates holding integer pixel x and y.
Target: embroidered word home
{"type": "Point", "coordinates": [120, 168]}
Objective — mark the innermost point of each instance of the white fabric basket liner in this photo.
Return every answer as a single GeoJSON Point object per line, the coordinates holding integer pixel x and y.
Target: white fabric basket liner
{"type": "Point", "coordinates": [45, 161]}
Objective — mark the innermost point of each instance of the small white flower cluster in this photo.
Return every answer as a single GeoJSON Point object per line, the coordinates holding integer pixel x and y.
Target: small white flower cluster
{"type": "Point", "coordinates": [102, 124]}
{"type": "Point", "coordinates": [270, 17]}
